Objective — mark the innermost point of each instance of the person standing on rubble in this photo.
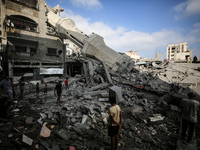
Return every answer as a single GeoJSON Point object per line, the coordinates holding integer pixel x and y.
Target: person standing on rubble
{"type": "Point", "coordinates": [66, 84]}
{"type": "Point", "coordinates": [37, 89]}
{"type": "Point", "coordinates": [115, 122]}
{"type": "Point", "coordinates": [189, 109]}
{"type": "Point", "coordinates": [45, 89]}
{"type": "Point", "coordinates": [58, 89]}
{"type": "Point", "coordinates": [8, 86]}
{"type": "Point", "coordinates": [21, 87]}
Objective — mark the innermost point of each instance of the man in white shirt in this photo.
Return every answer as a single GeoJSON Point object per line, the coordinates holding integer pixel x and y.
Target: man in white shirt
{"type": "Point", "coordinates": [115, 122]}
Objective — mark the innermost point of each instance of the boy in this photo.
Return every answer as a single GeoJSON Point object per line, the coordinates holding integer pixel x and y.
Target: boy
{"type": "Point", "coordinates": [58, 88]}
{"type": "Point", "coordinates": [45, 89]}
{"type": "Point", "coordinates": [66, 83]}
{"type": "Point", "coordinates": [115, 122]}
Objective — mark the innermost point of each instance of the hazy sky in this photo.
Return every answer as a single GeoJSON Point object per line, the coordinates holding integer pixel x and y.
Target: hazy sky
{"type": "Point", "coordinates": [139, 25]}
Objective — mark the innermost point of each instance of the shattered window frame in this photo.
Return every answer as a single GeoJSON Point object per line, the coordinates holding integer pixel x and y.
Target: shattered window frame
{"type": "Point", "coordinates": [51, 31]}
{"type": "Point", "coordinates": [21, 23]}
{"type": "Point", "coordinates": [51, 51]}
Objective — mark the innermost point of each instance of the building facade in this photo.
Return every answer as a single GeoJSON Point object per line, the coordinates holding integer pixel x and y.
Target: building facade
{"type": "Point", "coordinates": [133, 55]}
{"type": "Point", "coordinates": [178, 52]}
{"type": "Point", "coordinates": [29, 42]}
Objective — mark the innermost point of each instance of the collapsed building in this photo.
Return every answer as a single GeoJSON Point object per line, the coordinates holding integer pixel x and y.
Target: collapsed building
{"type": "Point", "coordinates": [148, 93]}
{"type": "Point", "coordinates": [34, 31]}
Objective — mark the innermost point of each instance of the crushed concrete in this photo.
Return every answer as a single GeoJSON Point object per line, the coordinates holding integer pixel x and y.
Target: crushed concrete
{"type": "Point", "coordinates": [148, 95]}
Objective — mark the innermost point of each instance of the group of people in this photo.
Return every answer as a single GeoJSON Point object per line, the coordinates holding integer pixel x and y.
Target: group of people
{"type": "Point", "coordinates": [57, 90]}
{"type": "Point", "coordinates": [189, 59]}
{"type": "Point", "coordinates": [7, 85]}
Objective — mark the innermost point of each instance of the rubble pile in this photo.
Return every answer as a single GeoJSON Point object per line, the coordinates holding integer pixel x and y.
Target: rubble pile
{"type": "Point", "coordinates": [151, 116]}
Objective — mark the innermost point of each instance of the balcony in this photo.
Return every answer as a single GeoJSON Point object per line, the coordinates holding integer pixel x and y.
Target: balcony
{"type": "Point", "coordinates": [16, 23]}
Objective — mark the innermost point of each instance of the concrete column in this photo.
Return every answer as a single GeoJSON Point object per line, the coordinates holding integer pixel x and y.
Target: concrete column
{"type": "Point", "coordinates": [36, 74]}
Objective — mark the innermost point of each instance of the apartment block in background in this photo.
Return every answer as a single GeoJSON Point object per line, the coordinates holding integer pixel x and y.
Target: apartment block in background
{"type": "Point", "coordinates": [178, 52]}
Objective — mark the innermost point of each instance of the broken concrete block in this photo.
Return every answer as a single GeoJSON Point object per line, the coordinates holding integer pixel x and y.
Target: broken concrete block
{"type": "Point", "coordinates": [55, 147]}
{"type": "Point", "coordinates": [10, 135]}
{"type": "Point", "coordinates": [27, 140]}
{"type": "Point", "coordinates": [40, 120]}
{"type": "Point", "coordinates": [63, 121]}
{"type": "Point", "coordinates": [147, 137]}
{"type": "Point", "coordinates": [43, 115]}
{"type": "Point", "coordinates": [35, 82]}
{"type": "Point", "coordinates": [166, 98]}
{"type": "Point", "coordinates": [104, 117]}
{"type": "Point", "coordinates": [82, 126]}
{"type": "Point", "coordinates": [104, 95]}
{"type": "Point", "coordinates": [29, 120]}
{"type": "Point", "coordinates": [154, 132]}
{"type": "Point", "coordinates": [157, 66]}
{"type": "Point", "coordinates": [50, 115]}
{"type": "Point", "coordinates": [51, 79]}
{"type": "Point", "coordinates": [99, 86]}
{"type": "Point", "coordinates": [46, 145]}
{"type": "Point", "coordinates": [103, 99]}
{"type": "Point", "coordinates": [87, 97]}
{"type": "Point", "coordinates": [63, 134]}
{"type": "Point", "coordinates": [107, 73]}
{"type": "Point", "coordinates": [84, 119]}
{"type": "Point", "coordinates": [92, 93]}
{"type": "Point", "coordinates": [156, 117]}
{"type": "Point", "coordinates": [172, 107]}
{"type": "Point", "coordinates": [115, 92]}
{"type": "Point", "coordinates": [144, 102]}
{"type": "Point", "coordinates": [73, 120]}
{"type": "Point", "coordinates": [45, 132]}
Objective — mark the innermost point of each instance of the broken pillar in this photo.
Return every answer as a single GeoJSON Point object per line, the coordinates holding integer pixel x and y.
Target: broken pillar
{"type": "Point", "coordinates": [107, 73]}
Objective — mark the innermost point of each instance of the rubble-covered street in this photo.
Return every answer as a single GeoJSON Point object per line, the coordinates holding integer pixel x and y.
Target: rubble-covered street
{"type": "Point", "coordinates": [149, 95]}
{"type": "Point", "coordinates": [62, 88]}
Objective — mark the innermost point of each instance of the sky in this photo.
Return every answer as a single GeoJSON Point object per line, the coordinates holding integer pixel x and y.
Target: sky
{"type": "Point", "coordinates": [144, 26]}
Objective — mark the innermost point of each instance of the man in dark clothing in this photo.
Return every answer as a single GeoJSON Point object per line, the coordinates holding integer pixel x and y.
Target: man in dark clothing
{"type": "Point", "coordinates": [190, 108]}
{"type": "Point", "coordinates": [8, 86]}
{"type": "Point", "coordinates": [195, 59]}
{"type": "Point", "coordinates": [58, 89]}
{"type": "Point", "coordinates": [21, 86]}
{"type": "Point", "coordinates": [37, 89]}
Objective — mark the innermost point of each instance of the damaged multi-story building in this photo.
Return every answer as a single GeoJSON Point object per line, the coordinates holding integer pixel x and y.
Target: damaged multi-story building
{"type": "Point", "coordinates": [33, 36]}
{"type": "Point", "coordinates": [29, 43]}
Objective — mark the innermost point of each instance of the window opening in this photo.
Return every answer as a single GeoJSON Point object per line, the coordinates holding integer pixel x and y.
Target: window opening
{"type": "Point", "coordinates": [51, 51]}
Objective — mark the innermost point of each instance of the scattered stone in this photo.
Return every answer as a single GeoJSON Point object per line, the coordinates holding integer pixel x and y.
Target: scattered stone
{"type": "Point", "coordinates": [27, 140]}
